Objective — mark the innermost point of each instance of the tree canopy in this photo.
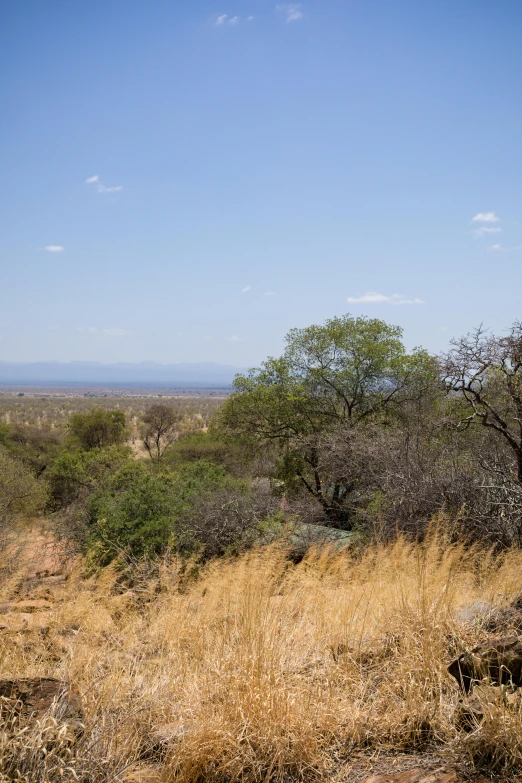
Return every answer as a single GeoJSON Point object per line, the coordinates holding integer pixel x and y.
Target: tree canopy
{"type": "Point", "coordinates": [159, 429]}
{"type": "Point", "coordinates": [331, 379]}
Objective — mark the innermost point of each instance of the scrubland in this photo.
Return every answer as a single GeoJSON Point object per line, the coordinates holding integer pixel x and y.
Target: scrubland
{"type": "Point", "coordinates": [257, 668]}
{"type": "Point", "coordinates": [204, 645]}
{"type": "Point", "coordinates": [51, 412]}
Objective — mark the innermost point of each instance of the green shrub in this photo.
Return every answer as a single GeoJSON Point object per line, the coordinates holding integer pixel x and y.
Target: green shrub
{"type": "Point", "coordinates": [35, 446]}
{"type": "Point", "coordinates": [231, 453]}
{"type": "Point", "coordinates": [197, 509]}
{"type": "Point", "coordinates": [75, 475]}
{"type": "Point", "coordinates": [98, 429]}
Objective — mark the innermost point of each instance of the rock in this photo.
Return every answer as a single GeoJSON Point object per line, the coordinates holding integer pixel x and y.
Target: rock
{"type": "Point", "coordinates": [417, 775]}
{"type": "Point", "coordinates": [506, 619]}
{"type": "Point", "coordinates": [470, 712]}
{"type": "Point", "coordinates": [33, 697]}
{"type": "Point", "coordinates": [300, 537]}
{"type": "Point", "coordinates": [477, 613]}
{"type": "Point", "coordinates": [499, 660]}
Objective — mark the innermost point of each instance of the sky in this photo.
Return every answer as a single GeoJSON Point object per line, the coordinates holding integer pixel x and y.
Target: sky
{"type": "Point", "coordinates": [186, 180]}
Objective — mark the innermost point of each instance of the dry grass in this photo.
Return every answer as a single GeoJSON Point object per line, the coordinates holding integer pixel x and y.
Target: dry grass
{"type": "Point", "coordinates": [263, 670]}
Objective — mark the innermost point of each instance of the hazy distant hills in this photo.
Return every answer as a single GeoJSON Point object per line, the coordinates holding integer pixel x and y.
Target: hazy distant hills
{"type": "Point", "coordinates": [143, 373]}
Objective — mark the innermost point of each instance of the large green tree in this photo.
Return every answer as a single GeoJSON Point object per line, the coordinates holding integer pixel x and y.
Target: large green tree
{"type": "Point", "coordinates": [332, 380]}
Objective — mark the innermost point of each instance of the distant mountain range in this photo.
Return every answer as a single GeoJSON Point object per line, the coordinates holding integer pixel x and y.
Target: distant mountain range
{"type": "Point", "coordinates": [142, 373]}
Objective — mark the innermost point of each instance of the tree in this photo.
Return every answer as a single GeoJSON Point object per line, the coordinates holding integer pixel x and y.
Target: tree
{"type": "Point", "coordinates": [159, 429]}
{"type": "Point", "coordinates": [485, 372]}
{"type": "Point", "coordinates": [330, 380]}
{"type": "Point", "coordinates": [98, 428]}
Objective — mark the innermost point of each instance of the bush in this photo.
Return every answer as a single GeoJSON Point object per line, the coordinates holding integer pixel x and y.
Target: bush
{"type": "Point", "coordinates": [231, 453]}
{"type": "Point", "coordinates": [98, 428]}
{"type": "Point", "coordinates": [75, 475]}
{"type": "Point", "coordinates": [20, 491]}
{"type": "Point", "coordinates": [136, 516]}
{"type": "Point", "coordinates": [198, 509]}
{"type": "Point", "coordinates": [35, 446]}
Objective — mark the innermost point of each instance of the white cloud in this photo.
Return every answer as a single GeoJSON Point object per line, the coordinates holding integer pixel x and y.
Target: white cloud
{"type": "Point", "coordinates": [54, 248]}
{"type": "Point", "coordinates": [372, 297]}
{"type": "Point", "coordinates": [114, 189]}
{"type": "Point", "coordinates": [293, 12]}
{"type": "Point", "coordinates": [114, 332]}
{"type": "Point", "coordinates": [269, 293]}
{"type": "Point", "coordinates": [102, 188]}
{"type": "Point", "coordinates": [494, 247]}
{"type": "Point", "coordinates": [486, 230]}
{"type": "Point", "coordinates": [110, 332]}
{"type": "Point", "coordinates": [225, 19]}
{"type": "Point", "coordinates": [485, 217]}
{"type": "Point", "coordinates": [246, 289]}
{"type": "Point", "coordinates": [250, 18]}
{"type": "Point", "coordinates": [235, 339]}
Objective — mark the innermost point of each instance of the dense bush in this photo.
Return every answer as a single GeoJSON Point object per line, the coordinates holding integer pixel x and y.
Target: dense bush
{"type": "Point", "coordinates": [97, 428]}
{"type": "Point", "coordinates": [197, 509]}
{"type": "Point", "coordinates": [20, 491]}
{"type": "Point", "coordinates": [75, 475]}
{"type": "Point", "coordinates": [232, 453]}
{"type": "Point", "coordinates": [35, 446]}
{"type": "Point", "coordinates": [378, 437]}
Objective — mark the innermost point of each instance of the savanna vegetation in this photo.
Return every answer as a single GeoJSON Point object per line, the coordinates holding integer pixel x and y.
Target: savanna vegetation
{"type": "Point", "coordinates": [196, 600]}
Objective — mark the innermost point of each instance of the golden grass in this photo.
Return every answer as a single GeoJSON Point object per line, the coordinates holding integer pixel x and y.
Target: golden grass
{"type": "Point", "coordinates": [263, 670]}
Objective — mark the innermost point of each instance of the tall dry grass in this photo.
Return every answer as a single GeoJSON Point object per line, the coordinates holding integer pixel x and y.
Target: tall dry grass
{"type": "Point", "coordinates": [261, 669]}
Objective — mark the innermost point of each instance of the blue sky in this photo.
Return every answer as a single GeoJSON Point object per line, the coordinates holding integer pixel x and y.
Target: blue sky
{"type": "Point", "coordinates": [255, 166]}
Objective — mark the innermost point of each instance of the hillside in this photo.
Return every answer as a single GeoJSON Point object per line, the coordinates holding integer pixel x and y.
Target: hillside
{"type": "Point", "coordinates": [260, 669]}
